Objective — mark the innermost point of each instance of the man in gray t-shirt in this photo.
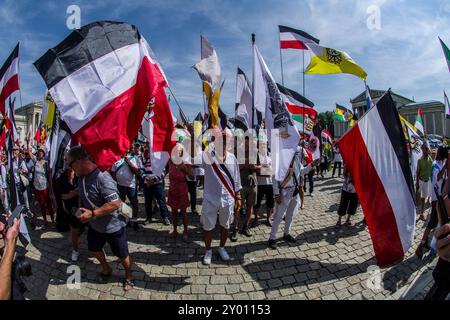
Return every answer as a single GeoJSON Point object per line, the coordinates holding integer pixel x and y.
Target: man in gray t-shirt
{"type": "Point", "coordinates": [100, 206]}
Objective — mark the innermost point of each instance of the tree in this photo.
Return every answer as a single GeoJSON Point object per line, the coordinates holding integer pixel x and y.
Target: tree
{"type": "Point", "coordinates": [325, 121]}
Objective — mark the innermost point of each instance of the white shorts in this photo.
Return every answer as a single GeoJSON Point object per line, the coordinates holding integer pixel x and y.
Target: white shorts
{"type": "Point", "coordinates": [424, 189]}
{"type": "Point", "coordinates": [208, 219]}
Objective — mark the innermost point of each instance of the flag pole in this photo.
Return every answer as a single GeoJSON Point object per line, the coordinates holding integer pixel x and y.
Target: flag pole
{"type": "Point", "coordinates": [175, 98]}
{"type": "Point", "coordinates": [445, 117]}
{"type": "Point", "coordinates": [303, 60]}
{"type": "Point", "coordinates": [203, 92]}
{"type": "Point", "coordinates": [281, 59]}
{"type": "Point", "coordinates": [253, 82]}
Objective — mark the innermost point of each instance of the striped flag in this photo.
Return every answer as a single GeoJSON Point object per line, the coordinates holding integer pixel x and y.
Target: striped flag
{"type": "Point", "coordinates": [9, 78]}
{"type": "Point", "coordinates": [326, 135]}
{"type": "Point", "coordinates": [419, 122]}
{"type": "Point", "coordinates": [291, 38]}
{"type": "Point", "coordinates": [102, 77]}
{"type": "Point", "coordinates": [374, 151]}
{"type": "Point", "coordinates": [244, 100]}
{"type": "Point", "coordinates": [301, 109]}
{"type": "Point", "coordinates": [446, 52]}
{"type": "Point", "coordinates": [283, 134]}
{"type": "Point", "coordinates": [345, 115]}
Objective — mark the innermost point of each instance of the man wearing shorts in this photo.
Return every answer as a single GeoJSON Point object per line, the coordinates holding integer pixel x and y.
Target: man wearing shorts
{"type": "Point", "coordinates": [220, 199]}
{"type": "Point", "coordinates": [100, 204]}
{"type": "Point", "coordinates": [423, 178]}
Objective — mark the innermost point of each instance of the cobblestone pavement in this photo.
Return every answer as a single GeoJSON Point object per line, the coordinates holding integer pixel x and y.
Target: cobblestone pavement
{"type": "Point", "coordinates": [326, 263]}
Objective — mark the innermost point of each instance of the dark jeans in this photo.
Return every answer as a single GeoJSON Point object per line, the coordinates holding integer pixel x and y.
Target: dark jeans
{"type": "Point", "coordinates": [337, 164]}
{"type": "Point", "coordinates": [192, 185]}
{"type": "Point", "coordinates": [130, 193]}
{"type": "Point", "coordinates": [155, 191]}
{"type": "Point", "coordinates": [310, 178]}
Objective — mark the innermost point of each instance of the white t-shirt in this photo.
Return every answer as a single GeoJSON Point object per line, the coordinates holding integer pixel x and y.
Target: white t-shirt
{"type": "Point", "coordinates": [214, 190]}
{"type": "Point", "coordinates": [16, 169]}
{"type": "Point", "coordinates": [124, 176]}
{"type": "Point", "coordinates": [40, 177]}
{"type": "Point", "coordinates": [263, 180]}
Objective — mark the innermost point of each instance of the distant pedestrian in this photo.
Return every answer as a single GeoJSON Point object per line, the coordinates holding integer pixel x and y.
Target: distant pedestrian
{"type": "Point", "coordinates": [349, 200]}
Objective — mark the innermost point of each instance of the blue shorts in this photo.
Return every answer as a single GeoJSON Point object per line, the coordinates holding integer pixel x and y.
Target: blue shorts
{"type": "Point", "coordinates": [117, 241]}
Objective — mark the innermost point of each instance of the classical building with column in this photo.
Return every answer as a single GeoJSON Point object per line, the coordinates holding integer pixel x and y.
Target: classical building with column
{"type": "Point", "coordinates": [433, 112]}
{"type": "Point", "coordinates": [27, 118]}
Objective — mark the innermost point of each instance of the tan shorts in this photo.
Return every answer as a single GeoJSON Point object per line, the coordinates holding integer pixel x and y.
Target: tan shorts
{"type": "Point", "coordinates": [208, 219]}
{"type": "Point", "coordinates": [248, 195]}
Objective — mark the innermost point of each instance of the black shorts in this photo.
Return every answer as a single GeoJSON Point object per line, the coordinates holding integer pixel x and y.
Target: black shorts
{"type": "Point", "coordinates": [266, 190]}
{"type": "Point", "coordinates": [432, 224]}
{"type": "Point", "coordinates": [349, 203]}
{"type": "Point", "coordinates": [117, 241]}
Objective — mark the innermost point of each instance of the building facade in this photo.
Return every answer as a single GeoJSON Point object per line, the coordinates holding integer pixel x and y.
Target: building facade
{"type": "Point", "coordinates": [433, 112]}
{"type": "Point", "coordinates": [27, 118]}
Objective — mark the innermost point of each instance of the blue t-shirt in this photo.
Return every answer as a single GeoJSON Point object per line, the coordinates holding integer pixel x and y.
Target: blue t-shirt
{"type": "Point", "coordinates": [101, 188]}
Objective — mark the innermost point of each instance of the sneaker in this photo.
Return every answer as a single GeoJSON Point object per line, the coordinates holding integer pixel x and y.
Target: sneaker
{"type": "Point", "coordinates": [272, 244]}
{"type": "Point", "coordinates": [246, 231]}
{"type": "Point", "coordinates": [234, 235]}
{"type": "Point", "coordinates": [289, 238]}
{"type": "Point", "coordinates": [166, 221]}
{"type": "Point", "coordinates": [75, 255]}
{"type": "Point", "coordinates": [223, 254]}
{"type": "Point", "coordinates": [207, 257]}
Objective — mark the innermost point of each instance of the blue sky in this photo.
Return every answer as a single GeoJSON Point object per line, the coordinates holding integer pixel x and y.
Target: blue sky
{"type": "Point", "coordinates": [404, 54]}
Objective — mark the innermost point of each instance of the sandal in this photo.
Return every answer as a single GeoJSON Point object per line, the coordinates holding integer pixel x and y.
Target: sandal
{"type": "Point", "coordinates": [128, 284]}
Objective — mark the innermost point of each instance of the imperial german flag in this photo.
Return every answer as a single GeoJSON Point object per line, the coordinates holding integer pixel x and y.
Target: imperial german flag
{"type": "Point", "coordinates": [331, 61]}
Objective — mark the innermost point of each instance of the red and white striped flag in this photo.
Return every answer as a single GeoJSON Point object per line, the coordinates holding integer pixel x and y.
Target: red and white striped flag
{"type": "Point", "coordinates": [374, 151]}
{"type": "Point", "coordinates": [291, 38]}
{"type": "Point", "coordinates": [9, 78]}
{"type": "Point", "coordinates": [326, 135]}
{"type": "Point", "coordinates": [102, 77]}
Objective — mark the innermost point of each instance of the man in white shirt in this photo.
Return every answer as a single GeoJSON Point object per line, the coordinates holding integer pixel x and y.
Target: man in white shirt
{"type": "Point", "coordinates": [287, 200]}
{"type": "Point", "coordinates": [221, 192]}
{"type": "Point", "coordinates": [125, 171]}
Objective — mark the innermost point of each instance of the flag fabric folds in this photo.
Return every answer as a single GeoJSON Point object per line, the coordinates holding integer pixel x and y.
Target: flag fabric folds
{"type": "Point", "coordinates": [326, 135]}
{"type": "Point", "coordinates": [48, 110]}
{"type": "Point", "coordinates": [414, 144]}
{"type": "Point", "coordinates": [374, 151]}
{"type": "Point", "coordinates": [282, 133]}
{"type": "Point", "coordinates": [446, 53]}
{"type": "Point", "coordinates": [332, 61]}
{"type": "Point", "coordinates": [447, 106]}
{"type": "Point", "coordinates": [301, 109]}
{"type": "Point", "coordinates": [244, 100]}
{"type": "Point", "coordinates": [345, 115]}
{"type": "Point", "coordinates": [102, 77]}
{"type": "Point", "coordinates": [369, 102]}
{"type": "Point", "coordinates": [291, 38]}
{"type": "Point", "coordinates": [9, 78]}
{"type": "Point", "coordinates": [208, 68]}
{"type": "Point", "coordinates": [419, 122]}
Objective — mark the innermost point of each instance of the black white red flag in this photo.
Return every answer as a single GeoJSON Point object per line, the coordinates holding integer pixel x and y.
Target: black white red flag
{"type": "Point", "coordinates": [9, 78]}
{"type": "Point", "coordinates": [374, 151]}
{"type": "Point", "coordinates": [102, 77]}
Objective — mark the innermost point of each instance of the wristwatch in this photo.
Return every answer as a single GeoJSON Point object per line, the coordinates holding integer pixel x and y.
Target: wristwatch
{"type": "Point", "coordinates": [94, 217]}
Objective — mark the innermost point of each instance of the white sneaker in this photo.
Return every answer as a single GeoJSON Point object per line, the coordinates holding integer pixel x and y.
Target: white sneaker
{"type": "Point", "coordinates": [207, 257]}
{"type": "Point", "coordinates": [75, 255]}
{"type": "Point", "coordinates": [223, 254]}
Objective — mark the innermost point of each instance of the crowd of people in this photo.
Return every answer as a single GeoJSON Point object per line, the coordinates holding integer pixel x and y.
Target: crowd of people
{"type": "Point", "coordinates": [82, 198]}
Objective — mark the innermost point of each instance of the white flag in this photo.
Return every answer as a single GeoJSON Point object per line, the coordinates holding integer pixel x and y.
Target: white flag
{"type": "Point", "coordinates": [282, 133]}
